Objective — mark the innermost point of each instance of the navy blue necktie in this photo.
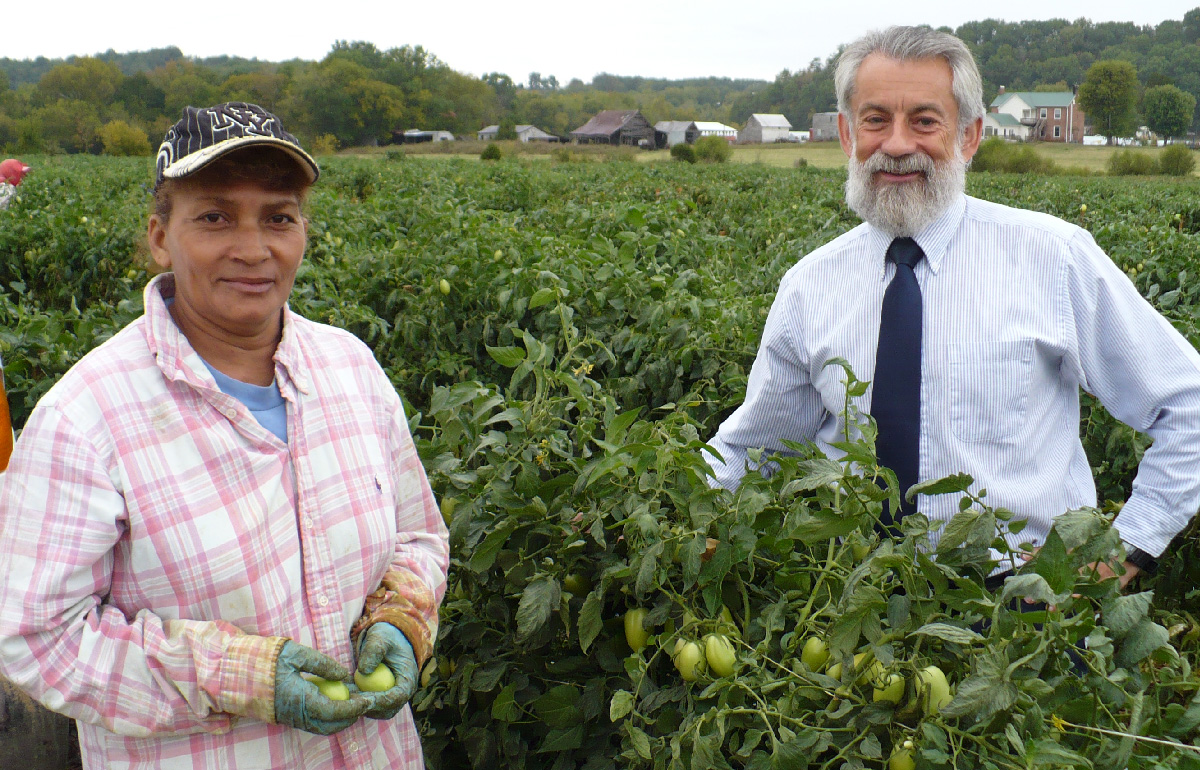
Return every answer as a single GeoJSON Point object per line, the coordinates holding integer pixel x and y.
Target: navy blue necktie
{"type": "Point", "coordinates": [896, 400]}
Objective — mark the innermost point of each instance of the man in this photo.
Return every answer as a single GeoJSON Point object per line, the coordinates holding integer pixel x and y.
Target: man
{"type": "Point", "coordinates": [979, 327]}
{"type": "Point", "coordinates": [12, 171]}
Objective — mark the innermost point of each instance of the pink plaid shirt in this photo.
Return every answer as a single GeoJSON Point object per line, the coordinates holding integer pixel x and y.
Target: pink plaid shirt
{"type": "Point", "coordinates": [158, 544]}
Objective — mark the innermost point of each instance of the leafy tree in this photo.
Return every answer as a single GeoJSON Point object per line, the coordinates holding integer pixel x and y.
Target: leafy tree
{"type": "Point", "coordinates": [120, 138]}
{"type": "Point", "coordinates": [1168, 110]}
{"type": "Point", "coordinates": [86, 80]}
{"type": "Point", "coordinates": [1108, 97]}
{"type": "Point", "coordinates": [139, 97]}
{"type": "Point", "coordinates": [340, 97]}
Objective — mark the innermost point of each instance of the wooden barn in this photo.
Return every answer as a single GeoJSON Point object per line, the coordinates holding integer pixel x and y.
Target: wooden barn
{"type": "Point", "coordinates": [620, 127]}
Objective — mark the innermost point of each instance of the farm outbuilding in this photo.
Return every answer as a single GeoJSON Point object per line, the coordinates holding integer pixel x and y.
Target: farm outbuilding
{"type": "Point", "coordinates": [673, 132]}
{"type": "Point", "coordinates": [525, 133]}
{"type": "Point", "coordinates": [620, 127]}
{"type": "Point", "coordinates": [765, 128]}
{"type": "Point", "coordinates": [712, 128]}
{"type": "Point", "coordinates": [416, 136]}
{"type": "Point", "coordinates": [824, 127]}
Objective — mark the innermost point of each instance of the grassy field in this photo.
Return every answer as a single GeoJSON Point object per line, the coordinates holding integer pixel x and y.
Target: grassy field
{"type": "Point", "coordinates": [816, 154]}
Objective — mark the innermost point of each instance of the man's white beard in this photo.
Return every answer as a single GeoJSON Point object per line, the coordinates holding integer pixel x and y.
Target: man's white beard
{"type": "Point", "coordinates": [904, 209]}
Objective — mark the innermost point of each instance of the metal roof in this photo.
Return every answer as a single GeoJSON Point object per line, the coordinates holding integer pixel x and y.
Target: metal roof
{"type": "Point", "coordinates": [709, 125]}
{"type": "Point", "coordinates": [667, 126]}
{"type": "Point", "coordinates": [1004, 119]}
{"type": "Point", "coordinates": [771, 120]}
{"type": "Point", "coordinates": [605, 123]}
{"type": "Point", "coordinates": [1037, 98]}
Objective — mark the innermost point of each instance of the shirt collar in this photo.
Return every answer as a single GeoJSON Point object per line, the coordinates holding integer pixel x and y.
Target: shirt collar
{"type": "Point", "coordinates": [933, 240]}
{"type": "Point", "coordinates": [178, 359]}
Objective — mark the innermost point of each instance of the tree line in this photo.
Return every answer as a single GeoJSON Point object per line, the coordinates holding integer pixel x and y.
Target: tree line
{"type": "Point", "coordinates": [358, 94]}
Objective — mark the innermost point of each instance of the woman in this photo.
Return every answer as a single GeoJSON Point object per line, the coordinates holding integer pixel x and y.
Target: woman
{"type": "Point", "coordinates": [222, 500]}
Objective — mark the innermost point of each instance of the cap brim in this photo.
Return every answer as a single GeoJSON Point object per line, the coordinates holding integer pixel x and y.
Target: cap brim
{"type": "Point", "coordinates": [195, 161]}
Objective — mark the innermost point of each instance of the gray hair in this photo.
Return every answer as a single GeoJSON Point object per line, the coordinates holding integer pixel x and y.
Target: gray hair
{"type": "Point", "coordinates": [909, 44]}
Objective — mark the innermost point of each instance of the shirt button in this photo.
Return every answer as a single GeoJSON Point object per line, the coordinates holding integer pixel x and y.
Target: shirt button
{"type": "Point", "coordinates": [230, 413]}
{"type": "Point", "coordinates": [323, 600]}
{"type": "Point", "coordinates": [308, 522]}
{"type": "Point", "coordinates": [353, 745]}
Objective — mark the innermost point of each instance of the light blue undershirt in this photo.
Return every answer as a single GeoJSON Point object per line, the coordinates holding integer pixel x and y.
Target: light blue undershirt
{"type": "Point", "coordinates": [265, 402]}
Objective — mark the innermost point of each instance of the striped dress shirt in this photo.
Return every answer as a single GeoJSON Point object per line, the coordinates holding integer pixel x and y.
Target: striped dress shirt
{"type": "Point", "coordinates": [1021, 311]}
{"type": "Point", "coordinates": [158, 544]}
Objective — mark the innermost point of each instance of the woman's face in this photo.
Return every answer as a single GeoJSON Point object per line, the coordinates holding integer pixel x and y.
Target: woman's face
{"type": "Point", "coordinates": [234, 249]}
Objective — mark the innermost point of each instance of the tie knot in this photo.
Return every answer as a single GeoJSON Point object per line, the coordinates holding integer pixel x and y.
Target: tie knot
{"type": "Point", "coordinates": [905, 251]}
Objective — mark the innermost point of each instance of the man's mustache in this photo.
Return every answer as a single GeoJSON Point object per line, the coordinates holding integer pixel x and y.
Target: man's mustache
{"type": "Point", "coordinates": [904, 164]}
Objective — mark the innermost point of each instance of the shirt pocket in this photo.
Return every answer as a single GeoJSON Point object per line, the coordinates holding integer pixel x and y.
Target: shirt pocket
{"type": "Point", "coordinates": [990, 388]}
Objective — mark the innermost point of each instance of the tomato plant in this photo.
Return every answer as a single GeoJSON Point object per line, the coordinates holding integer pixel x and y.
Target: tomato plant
{"type": "Point", "coordinates": [600, 322]}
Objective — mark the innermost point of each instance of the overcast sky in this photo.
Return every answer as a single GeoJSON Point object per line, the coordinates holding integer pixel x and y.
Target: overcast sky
{"type": "Point", "coordinates": [685, 38]}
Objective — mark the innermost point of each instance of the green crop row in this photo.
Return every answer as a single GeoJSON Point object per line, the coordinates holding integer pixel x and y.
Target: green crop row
{"type": "Point", "coordinates": [565, 336]}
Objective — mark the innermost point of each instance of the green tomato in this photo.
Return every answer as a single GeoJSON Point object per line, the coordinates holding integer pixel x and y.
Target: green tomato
{"type": "Point", "coordinates": [687, 661]}
{"type": "Point", "coordinates": [635, 629]}
{"type": "Point", "coordinates": [444, 286]}
{"type": "Point", "coordinates": [378, 680]}
{"type": "Point", "coordinates": [576, 584]}
{"type": "Point", "coordinates": [892, 689]}
{"type": "Point", "coordinates": [932, 689]}
{"type": "Point", "coordinates": [330, 688]}
{"type": "Point", "coordinates": [815, 653]}
{"type": "Point", "coordinates": [720, 655]}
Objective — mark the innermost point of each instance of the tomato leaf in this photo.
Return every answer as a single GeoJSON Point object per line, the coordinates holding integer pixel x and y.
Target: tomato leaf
{"type": "Point", "coordinates": [1053, 563]}
{"type": "Point", "coordinates": [542, 297]}
{"type": "Point", "coordinates": [1123, 613]}
{"type": "Point", "coordinates": [538, 600]}
{"type": "Point", "coordinates": [505, 707]}
{"type": "Point", "coordinates": [948, 633]}
{"type": "Point", "coordinates": [590, 619]}
{"type": "Point", "coordinates": [957, 482]}
{"type": "Point", "coordinates": [620, 705]}
{"type": "Point", "coordinates": [508, 357]}
{"type": "Point", "coordinates": [1146, 637]}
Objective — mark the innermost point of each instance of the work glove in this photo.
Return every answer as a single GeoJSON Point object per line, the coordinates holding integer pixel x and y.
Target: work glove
{"type": "Point", "coordinates": [386, 644]}
{"type": "Point", "coordinates": [298, 702]}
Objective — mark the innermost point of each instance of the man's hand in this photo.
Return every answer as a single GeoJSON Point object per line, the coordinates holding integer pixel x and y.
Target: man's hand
{"type": "Point", "coordinates": [1105, 572]}
{"type": "Point", "coordinates": [298, 702]}
{"type": "Point", "coordinates": [384, 644]}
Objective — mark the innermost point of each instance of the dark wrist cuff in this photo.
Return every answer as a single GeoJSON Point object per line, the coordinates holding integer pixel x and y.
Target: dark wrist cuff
{"type": "Point", "coordinates": [1140, 559]}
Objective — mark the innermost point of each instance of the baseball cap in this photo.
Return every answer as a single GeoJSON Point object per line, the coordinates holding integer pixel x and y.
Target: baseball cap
{"type": "Point", "coordinates": [12, 171]}
{"type": "Point", "coordinates": [207, 133]}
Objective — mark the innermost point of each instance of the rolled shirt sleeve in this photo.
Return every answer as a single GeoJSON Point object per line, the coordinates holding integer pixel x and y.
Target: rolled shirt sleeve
{"type": "Point", "coordinates": [1148, 376]}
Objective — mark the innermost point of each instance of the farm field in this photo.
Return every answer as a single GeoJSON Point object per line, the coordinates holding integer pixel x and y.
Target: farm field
{"type": "Point", "coordinates": [821, 155]}
{"type": "Point", "coordinates": [600, 322]}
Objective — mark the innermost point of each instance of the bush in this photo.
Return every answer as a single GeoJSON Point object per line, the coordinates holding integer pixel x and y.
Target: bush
{"type": "Point", "coordinates": [120, 138]}
{"type": "Point", "coordinates": [684, 152]}
{"type": "Point", "coordinates": [1130, 163]}
{"type": "Point", "coordinates": [325, 144]}
{"type": "Point", "coordinates": [1177, 160]}
{"type": "Point", "coordinates": [713, 149]}
{"type": "Point", "coordinates": [800, 163]}
{"type": "Point", "coordinates": [393, 156]}
{"type": "Point", "coordinates": [491, 152]}
{"type": "Point", "coordinates": [1004, 157]}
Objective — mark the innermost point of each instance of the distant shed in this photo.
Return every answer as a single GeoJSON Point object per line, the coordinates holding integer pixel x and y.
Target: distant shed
{"type": "Point", "coordinates": [676, 132]}
{"type": "Point", "coordinates": [766, 128]}
{"type": "Point", "coordinates": [824, 127]}
{"type": "Point", "coordinates": [416, 136]}
{"type": "Point", "coordinates": [619, 127]}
